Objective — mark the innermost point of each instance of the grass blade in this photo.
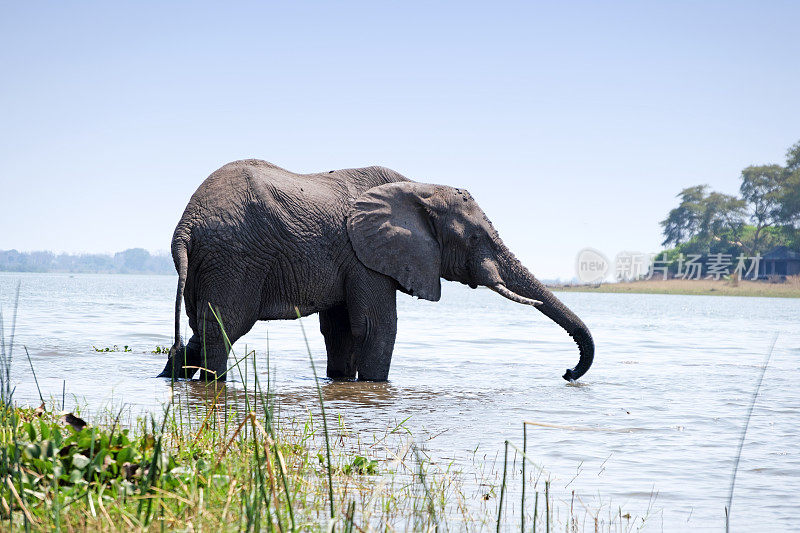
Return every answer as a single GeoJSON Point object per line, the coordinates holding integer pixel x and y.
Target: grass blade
{"type": "Point", "coordinates": [324, 420]}
{"type": "Point", "coordinates": [744, 432]}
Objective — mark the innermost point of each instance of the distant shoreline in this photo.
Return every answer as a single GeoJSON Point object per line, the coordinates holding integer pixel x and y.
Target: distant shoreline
{"type": "Point", "coordinates": [130, 261]}
{"type": "Point", "coordinates": [707, 287]}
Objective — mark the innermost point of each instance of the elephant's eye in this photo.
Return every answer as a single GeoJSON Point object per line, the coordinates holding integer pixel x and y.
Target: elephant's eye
{"type": "Point", "coordinates": [473, 239]}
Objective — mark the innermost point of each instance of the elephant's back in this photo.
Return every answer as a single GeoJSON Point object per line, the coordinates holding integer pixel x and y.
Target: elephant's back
{"type": "Point", "coordinates": [255, 185]}
{"type": "Point", "coordinates": [232, 185]}
{"type": "Point", "coordinates": [239, 190]}
{"type": "Point", "coordinates": [327, 190]}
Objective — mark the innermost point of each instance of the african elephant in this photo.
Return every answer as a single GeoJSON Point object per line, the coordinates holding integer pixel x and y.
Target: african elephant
{"type": "Point", "coordinates": [258, 242]}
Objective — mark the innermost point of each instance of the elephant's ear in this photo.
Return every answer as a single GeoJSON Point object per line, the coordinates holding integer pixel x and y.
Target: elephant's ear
{"type": "Point", "coordinates": [392, 232]}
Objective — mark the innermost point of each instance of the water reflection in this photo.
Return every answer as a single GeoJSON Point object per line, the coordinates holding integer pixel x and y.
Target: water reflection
{"type": "Point", "coordinates": [369, 395]}
{"type": "Point", "coordinates": [199, 393]}
{"type": "Point", "coordinates": [374, 395]}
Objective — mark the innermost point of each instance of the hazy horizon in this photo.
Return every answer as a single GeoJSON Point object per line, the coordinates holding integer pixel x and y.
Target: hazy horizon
{"type": "Point", "coordinates": [572, 125]}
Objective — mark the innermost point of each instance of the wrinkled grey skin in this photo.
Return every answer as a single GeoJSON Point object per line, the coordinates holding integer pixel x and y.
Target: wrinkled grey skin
{"type": "Point", "coordinates": [256, 241]}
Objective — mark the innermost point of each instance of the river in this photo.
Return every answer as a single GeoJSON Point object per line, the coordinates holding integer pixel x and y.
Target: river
{"type": "Point", "coordinates": [665, 401]}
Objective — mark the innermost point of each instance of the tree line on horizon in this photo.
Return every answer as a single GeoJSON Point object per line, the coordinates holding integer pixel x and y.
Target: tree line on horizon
{"type": "Point", "coordinates": [765, 214]}
{"type": "Point", "coordinates": [130, 261]}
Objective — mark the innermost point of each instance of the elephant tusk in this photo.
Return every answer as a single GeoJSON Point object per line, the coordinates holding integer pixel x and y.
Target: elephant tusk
{"type": "Point", "coordinates": [503, 291]}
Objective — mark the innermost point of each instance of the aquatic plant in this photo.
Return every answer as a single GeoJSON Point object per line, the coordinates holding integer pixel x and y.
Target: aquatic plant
{"type": "Point", "coordinates": [114, 348]}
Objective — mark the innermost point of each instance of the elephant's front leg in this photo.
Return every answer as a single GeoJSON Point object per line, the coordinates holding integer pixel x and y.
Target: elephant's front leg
{"type": "Point", "coordinates": [373, 321]}
{"type": "Point", "coordinates": [334, 324]}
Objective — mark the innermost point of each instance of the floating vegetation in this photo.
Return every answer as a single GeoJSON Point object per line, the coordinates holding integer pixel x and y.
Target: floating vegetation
{"type": "Point", "coordinates": [114, 348]}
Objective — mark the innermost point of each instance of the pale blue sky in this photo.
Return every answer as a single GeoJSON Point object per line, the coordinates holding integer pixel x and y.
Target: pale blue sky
{"type": "Point", "coordinates": [573, 124]}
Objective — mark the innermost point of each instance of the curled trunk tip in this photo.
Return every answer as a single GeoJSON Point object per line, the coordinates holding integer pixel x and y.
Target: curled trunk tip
{"type": "Point", "coordinates": [585, 343]}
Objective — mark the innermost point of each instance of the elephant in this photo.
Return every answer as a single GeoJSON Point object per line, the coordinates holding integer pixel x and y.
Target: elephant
{"type": "Point", "coordinates": [258, 242]}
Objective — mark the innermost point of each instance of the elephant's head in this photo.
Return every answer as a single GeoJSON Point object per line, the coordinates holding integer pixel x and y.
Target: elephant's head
{"type": "Point", "coordinates": [417, 233]}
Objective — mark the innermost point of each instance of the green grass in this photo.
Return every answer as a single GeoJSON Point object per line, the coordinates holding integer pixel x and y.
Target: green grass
{"type": "Point", "coordinates": [227, 462]}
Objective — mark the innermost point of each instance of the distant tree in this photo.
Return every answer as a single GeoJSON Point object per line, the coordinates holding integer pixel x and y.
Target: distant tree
{"type": "Point", "coordinates": [702, 216]}
{"type": "Point", "coordinates": [763, 188]}
{"type": "Point", "coordinates": [97, 263]}
{"type": "Point", "coordinates": [793, 157]}
{"type": "Point", "coordinates": [161, 263]}
{"type": "Point", "coordinates": [724, 214]}
{"type": "Point", "coordinates": [132, 259]}
{"type": "Point", "coordinates": [11, 260]}
{"type": "Point", "coordinates": [790, 201]}
{"type": "Point", "coordinates": [790, 197]}
{"type": "Point", "coordinates": [683, 222]}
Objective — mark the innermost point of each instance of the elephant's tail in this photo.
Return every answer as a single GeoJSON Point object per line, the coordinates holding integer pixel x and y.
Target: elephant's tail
{"type": "Point", "coordinates": [180, 256]}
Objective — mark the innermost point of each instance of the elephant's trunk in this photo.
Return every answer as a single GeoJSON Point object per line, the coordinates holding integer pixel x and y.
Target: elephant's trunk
{"type": "Point", "coordinates": [520, 282]}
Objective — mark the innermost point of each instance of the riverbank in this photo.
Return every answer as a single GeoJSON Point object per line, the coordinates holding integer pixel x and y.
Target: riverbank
{"type": "Point", "coordinates": [708, 287]}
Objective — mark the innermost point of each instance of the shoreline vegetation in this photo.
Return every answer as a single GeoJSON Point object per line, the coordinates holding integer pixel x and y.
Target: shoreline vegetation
{"type": "Point", "coordinates": [225, 466]}
{"type": "Point", "coordinates": [702, 287]}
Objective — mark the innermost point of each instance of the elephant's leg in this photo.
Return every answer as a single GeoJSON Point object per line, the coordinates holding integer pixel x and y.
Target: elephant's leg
{"type": "Point", "coordinates": [334, 324]}
{"type": "Point", "coordinates": [228, 293]}
{"type": "Point", "coordinates": [372, 304]}
{"type": "Point", "coordinates": [214, 343]}
{"type": "Point", "coordinates": [183, 362]}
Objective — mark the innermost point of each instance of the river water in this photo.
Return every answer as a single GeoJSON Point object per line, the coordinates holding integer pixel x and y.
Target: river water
{"type": "Point", "coordinates": [666, 398]}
